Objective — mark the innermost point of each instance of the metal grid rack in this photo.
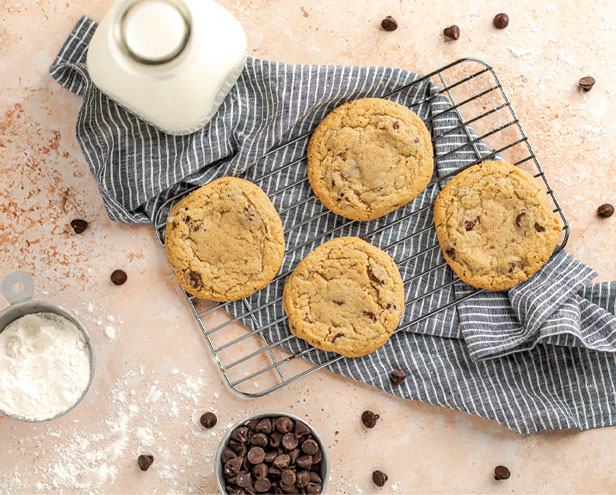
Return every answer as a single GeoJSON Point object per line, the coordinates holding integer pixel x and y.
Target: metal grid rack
{"type": "Point", "coordinates": [477, 97]}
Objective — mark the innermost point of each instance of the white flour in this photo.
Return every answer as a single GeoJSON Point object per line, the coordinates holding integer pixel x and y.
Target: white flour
{"type": "Point", "coordinates": [44, 366]}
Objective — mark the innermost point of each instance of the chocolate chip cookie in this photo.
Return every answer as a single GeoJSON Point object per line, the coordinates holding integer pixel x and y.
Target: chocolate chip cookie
{"type": "Point", "coordinates": [369, 157]}
{"type": "Point", "coordinates": [495, 225]}
{"type": "Point", "coordinates": [225, 240]}
{"type": "Point", "coordinates": [346, 296]}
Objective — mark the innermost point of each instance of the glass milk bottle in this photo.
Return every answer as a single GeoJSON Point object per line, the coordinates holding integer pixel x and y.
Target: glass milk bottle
{"type": "Point", "coordinates": [170, 62]}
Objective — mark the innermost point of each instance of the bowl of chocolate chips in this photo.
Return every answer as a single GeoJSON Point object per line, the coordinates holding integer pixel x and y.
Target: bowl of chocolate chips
{"type": "Point", "coordinates": [272, 452]}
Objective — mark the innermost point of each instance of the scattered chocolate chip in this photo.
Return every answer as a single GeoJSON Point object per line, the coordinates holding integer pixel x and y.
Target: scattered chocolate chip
{"type": "Point", "coordinates": [274, 439]}
{"type": "Point", "coordinates": [118, 277]}
{"type": "Point", "coordinates": [259, 440]}
{"type": "Point", "coordinates": [501, 473]}
{"type": "Point", "coordinates": [244, 479]}
{"type": "Point", "coordinates": [232, 466]}
{"type": "Point", "coordinates": [396, 125]}
{"type": "Point", "coordinates": [262, 485]}
{"type": "Point", "coordinates": [370, 315]}
{"type": "Point", "coordinates": [255, 455]}
{"type": "Point", "coordinates": [379, 478]}
{"type": "Point", "coordinates": [605, 211]}
{"type": "Point", "coordinates": [208, 420]}
{"type": "Point", "coordinates": [451, 252]}
{"type": "Point", "coordinates": [145, 461]}
{"type": "Point", "coordinates": [310, 447]}
{"type": "Point", "coordinates": [389, 23]}
{"type": "Point", "coordinates": [301, 429]}
{"type": "Point", "coordinates": [337, 336]}
{"type": "Point", "coordinates": [373, 277]}
{"type": "Point", "coordinates": [314, 477]}
{"type": "Point", "coordinates": [302, 478]}
{"type": "Point", "coordinates": [79, 226]}
{"type": "Point", "coordinates": [227, 454]}
{"type": "Point", "coordinates": [289, 441]}
{"type": "Point", "coordinates": [287, 477]}
{"type": "Point", "coordinates": [339, 303]}
{"type": "Point", "coordinates": [240, 434]}
{"type": "Point", "coordinates": [397, 377]}
{"type": "Point", "coordinates": [187, 219]}
{"type": "Point", "coordinates": [284, 424]}
{"type": "Point", "coordinates": [249, 212]}
{"type": "Point", "coordinates": [264, 426]}
{"type": "Point", "coordinates": [304, 461]}
{"type": "Point", "coordinates": [539, 228]}
{"type": "Point", "coordinates": [586, 83]}
{"type": "Point", "coordinates": [452, 32]}
{"type": "Point", "coordinates": [174, 225]}
{"type": "Point", "coordinates": [368, 419]}
{"type": "Point", "coordinates": [282, 461]}
{"type": "Point", "coordinates": [313, 488]}
{"type": "Point", "coordinates": [501, 21]}
{"type": "Point", "coordinates": [195, 279]}
{"type": "Point", "coordinates": [518, 219]}
{"type": "Point", "coordinates": [195, 227]}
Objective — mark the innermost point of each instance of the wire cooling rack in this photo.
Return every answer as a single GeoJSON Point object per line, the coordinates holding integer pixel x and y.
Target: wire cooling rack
{"type": "Point", "coordinates": [253, 366]}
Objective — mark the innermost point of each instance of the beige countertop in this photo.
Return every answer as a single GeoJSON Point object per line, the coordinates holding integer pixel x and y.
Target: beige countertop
{"type": "Point", "coordinates": [155, 375]}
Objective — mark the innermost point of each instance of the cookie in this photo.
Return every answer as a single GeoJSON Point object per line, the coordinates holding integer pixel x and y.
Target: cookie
{"type": "Point", "coordinates": [369, 157]}
{"type": "Point", "coordinates": [495, 225]}
{"type": "Point", "coordinates": [346, 296]}
{"type": "Point", "coordinates": [225, 240]}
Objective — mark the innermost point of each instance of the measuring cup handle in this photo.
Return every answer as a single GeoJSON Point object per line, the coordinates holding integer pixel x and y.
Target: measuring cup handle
{"type": "Point", "coordinates": [8, 287]}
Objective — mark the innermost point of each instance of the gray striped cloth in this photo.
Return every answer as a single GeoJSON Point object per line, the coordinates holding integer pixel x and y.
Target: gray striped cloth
{"type": "Point", "coordinates": [538, 357]}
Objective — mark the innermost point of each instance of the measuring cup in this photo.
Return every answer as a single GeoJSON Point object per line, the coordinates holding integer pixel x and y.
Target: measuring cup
{"type": "Point", "coordinates": [21, 304]}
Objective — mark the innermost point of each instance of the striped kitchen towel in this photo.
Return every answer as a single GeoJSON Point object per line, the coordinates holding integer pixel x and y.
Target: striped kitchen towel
{"type": "Point", "coordinates": [538, 357]}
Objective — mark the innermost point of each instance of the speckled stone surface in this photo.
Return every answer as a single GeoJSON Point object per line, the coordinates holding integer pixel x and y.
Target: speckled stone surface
{"type": "Point", "coordinates": [155, 375]}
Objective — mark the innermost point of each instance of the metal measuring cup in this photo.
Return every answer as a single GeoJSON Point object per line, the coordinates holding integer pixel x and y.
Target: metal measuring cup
{"type": "Point", "coordinates": [21, 304]}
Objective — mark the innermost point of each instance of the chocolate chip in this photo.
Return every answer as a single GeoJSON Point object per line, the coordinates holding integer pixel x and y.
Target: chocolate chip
{"type": "Point", "coordinates": [264, 426]}
{"type": "Point", "coordinates": [310, 447]}
{"type": "Point", "coordinates": [195, 227]}
{"type": "Point", "coordinates": [518, 219]}
{"type": "Point", "coordinates": [262, 485]}
{"type": "Point", "coordinates": [233, 490]}
{"type": "Point", "coordinates": [301, 429]}
{"type": "Point", "coordinates": [339, 303]}
{"type": "Point", "coordinates": [539, 228]}
{"type": "Point", "coordinates": [79, 226]}
{"type": "Point", "coordinates": [289, 441]}
{"type": "Point", "coordinates": [585, 84]}
{"type": "Point", "coordinates": [302, 478]}
{"type": "Point", "coordinates": [274, 471]}
{"type": "Point", "coordinates": [274, 439]}
{"type": "Point", "coordinates": [389, 23]}
{"type": "Point", "coordinates": [316, 458]}
{"type": "Point", "coordinates": [255, 455]}
{"type": "Point", "coordinates": [259, 471]}
{"type": "Point", "coordinates": [501, 21]}
{"type": "Point", "coordinates": [259, 440]}
{"type": "Point", "coordinates": [244, 478]}
{"type": "Point", "coordinates": [452, 32]}
{"type": "Point", "coordinates": [314, 488]}
{"type": "Point", "coordinates": [145, 461]}
{"type": "Point", "coordinates": [250, 490]}
{"type": "Point", "coordinates": [118, 277]}
{"type": "Point", "coordinates": [227, 454]}
{"type": "Point", "coordinates": [270, 455]}
{"type": "Point", "coordinates": [187, 219]}
{"type": "Point", "coordinates": [370, 315]}
{"type": "Point", "coordinates": [240, 434]}
{"type": "Point", "coordinates": [288, 488]}
{"type": "Point", "coordinates": [284, 424]}
{"type": "Point", "coordinates": [304, 461]}
{"type": "Point", "coordinates": [249, 212]}
{"type": "Point", "coordinates": [293, 455]}
{"type": "Point", "coordinates": [368, 419]}
{"type": "Point", "coordinates": [605, 211]}
{"type": "Point", "coordinates": [397, 377]}
{"type": "Point", "coordinates": [238, 447]}
{"type": "Point", "coordinates": [252, 425]}
{"type": "Point", "coordinates": [208, 420]}
{"type": "Point", "coordinates": [282, 461]}
{"type": "Point", "coordinates": [314, 477]}
{"type": "Point", "coordinates": [232, 466]}
{"type": "Point", "coordinates": [379, 478]}
{"type": "Point", "coordinates": [396, 125]}
{"type": "Point", "coordinates": [451, 252]}
{"type": "Point", "coordinates": [195, 279]}
{"type": "Point", "coordinates": [373, 277]}
{"type": "Point", "coordinates": [337, 336]}
{"type": "Point", "coordinates": [501, 473]}
{"type": "Point", "coordinates": [287, 477]}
